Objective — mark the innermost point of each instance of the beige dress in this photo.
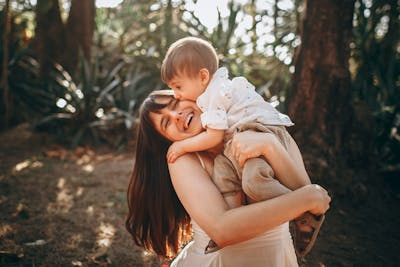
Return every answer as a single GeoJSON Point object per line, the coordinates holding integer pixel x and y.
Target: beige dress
{"type": "Point", "coordinates": [271, 249]}
{"type": "Point", "coordinates": [274, 248]}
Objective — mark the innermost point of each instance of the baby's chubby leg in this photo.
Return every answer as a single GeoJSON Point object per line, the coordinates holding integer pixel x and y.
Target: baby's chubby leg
{"type": "Point", "coordinates": [226, 179]}
{"type": "Point", "coordinates": [234, 200]}
{"type": "Point", "coordinates": [283, 155]}
{"type": "Point", "coordinates": [258, 181]}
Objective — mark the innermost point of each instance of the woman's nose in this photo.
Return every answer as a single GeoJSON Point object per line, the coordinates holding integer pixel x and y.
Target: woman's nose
{"type": "Point", "coordinates": [177, 115]}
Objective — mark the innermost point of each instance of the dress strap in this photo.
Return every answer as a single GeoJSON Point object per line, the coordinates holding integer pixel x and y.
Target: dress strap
{"type": "Point", "coordinates": [201, 160]}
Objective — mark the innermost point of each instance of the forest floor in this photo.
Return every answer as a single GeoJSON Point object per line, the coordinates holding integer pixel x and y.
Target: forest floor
{"type": "Point", "coordinates": [68, 208]}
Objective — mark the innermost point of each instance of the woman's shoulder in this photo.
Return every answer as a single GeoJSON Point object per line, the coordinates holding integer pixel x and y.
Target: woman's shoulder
{"type": "Point", "coordinates": [187, 158]}
{"type": "Point", "coordinates": [192, 161]}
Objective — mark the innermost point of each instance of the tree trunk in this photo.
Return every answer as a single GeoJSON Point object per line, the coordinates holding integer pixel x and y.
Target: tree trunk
{"type": "Point", "coordinates": [167, 24]}
{"type": "Point", "coordinates": [50, 38]}
{"type": "Point", "coordinates": [4, 74]}
{"type": "Point", "coordinates": [59, 43]}
{"type": "Point", "coordinates": [79, 32]}
{"type": "Point", "coordinates": [319, 102]}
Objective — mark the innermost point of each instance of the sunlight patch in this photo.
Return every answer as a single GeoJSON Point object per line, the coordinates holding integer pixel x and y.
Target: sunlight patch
{"type": "Point", "coordinates": [88, 168]}
{"type": "Point", "coordinates": [79, 192]}
{"type": "Point", "coordinates": [105, 234]}
{"type": "Point", "coordinates": [5, 229]}
{"type": "Point", "coordinates": [28, 163]}
{"type": "Point", "coordinates": [22, 165]}
{"type": "Point", "coordinates": [64, 200]}
{"type": "Point", "coordinates": [147, 256]}
{"type": "Point", "coordinates": [90, 210]}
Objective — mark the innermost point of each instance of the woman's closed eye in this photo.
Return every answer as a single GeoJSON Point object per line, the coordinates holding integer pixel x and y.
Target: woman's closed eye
{"type": "Point", "coordinates": [167, 123]}
{"type": "Point", "coordinates": [166, 120]}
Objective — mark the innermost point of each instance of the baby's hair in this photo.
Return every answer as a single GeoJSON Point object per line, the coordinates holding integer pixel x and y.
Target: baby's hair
{"type": "Point", "coordinates": [188, 56]}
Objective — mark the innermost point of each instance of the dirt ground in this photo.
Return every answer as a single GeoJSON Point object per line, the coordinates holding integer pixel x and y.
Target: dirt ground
{"type": "Point", "coordinates": [67, 208]}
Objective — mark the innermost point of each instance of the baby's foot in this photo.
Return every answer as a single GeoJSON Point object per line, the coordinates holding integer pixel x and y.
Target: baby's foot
{"type": "Point", "coordinates": [306, 228]}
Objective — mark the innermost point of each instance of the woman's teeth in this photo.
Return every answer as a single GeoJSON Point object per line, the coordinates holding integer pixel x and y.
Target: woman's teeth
{"type": "Point", "coordinates": [188, 120]}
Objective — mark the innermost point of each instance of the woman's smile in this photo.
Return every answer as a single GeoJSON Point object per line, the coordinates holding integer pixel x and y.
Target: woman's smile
{"type": "Point", "coordinates": [188, 120]}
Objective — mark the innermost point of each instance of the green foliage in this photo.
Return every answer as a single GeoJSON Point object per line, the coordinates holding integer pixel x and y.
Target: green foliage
{"type": "Point", "coordinates": [263, 57]}
{"type": "Point", "coordinates": [97, 108]}
{"type": "Point", "coordinates": [19, 66]}
{"type": "Point", "coordinates": [375, 65]}
{"type": "Point", "coordinates": [131, 40]}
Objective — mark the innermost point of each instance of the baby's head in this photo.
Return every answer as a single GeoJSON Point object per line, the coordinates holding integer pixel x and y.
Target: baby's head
{"type": "Point", "coordinates": [188, 67]}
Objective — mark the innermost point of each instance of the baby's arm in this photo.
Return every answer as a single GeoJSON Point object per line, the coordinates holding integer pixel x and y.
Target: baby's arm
{"type": "Point", "coordinates": [210, 138]}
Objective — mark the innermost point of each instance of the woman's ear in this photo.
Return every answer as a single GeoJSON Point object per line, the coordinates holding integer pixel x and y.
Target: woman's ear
{"type": "Point", "coordinates": [204, 76]}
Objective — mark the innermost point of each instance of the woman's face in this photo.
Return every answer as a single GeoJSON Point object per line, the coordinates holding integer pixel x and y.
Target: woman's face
{"type": "Point", "coordinates": [179, 120]}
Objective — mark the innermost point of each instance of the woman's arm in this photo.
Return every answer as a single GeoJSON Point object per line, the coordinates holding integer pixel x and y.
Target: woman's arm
{"type": "Point", "coordinates": [205, 205]}
{"type": "Point", "coordinates": [203, 141]}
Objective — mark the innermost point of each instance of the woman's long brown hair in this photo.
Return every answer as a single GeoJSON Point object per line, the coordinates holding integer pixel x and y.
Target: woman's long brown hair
{"type": "Point", "coordinates": [156, 220]}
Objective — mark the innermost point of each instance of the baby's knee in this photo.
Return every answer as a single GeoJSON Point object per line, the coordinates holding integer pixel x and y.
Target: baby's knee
{"type": "Point", "coordinates": [254, 172]}
{"type": "Point", "coordinates": [257, 168]}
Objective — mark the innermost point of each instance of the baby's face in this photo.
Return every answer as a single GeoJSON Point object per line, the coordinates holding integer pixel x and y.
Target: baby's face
{"type": "Point", "coordinates": [187, 88]}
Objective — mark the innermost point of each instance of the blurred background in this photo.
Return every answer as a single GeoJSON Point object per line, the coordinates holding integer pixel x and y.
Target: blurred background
{"type": "Point", "coordinates": [74, 72]}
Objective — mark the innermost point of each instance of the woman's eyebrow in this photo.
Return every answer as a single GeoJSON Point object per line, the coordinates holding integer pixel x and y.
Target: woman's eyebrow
{"type": "Point", "coordinates": [173, 103]}
{"type": "Point", "coordinates": [170, 106]}
{"type": "Point", "coordinates": [162, 122]}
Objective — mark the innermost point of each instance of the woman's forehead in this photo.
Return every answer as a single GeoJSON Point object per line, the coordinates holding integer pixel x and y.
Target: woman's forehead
{"type": "Point", "coordinates": [163, 99]}
{"type": "Point", "coordinates": [162, 104]}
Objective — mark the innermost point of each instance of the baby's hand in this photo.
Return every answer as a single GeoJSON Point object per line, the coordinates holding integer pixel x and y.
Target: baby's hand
{"type": "Point", "coordinates": [175, 151]}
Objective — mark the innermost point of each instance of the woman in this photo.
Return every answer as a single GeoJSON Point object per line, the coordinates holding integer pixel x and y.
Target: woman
{"type": "Point", "coordinates": [165, 199]}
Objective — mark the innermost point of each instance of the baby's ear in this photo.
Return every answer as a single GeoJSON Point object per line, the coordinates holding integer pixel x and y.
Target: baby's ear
{"type": "Point", "coordinates": [204, 75]}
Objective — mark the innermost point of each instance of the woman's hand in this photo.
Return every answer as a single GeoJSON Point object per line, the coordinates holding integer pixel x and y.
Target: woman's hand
{"type": "Point", "coordinates": [250, 144]}
{"type": "Point", "coordinates": [319, 198]}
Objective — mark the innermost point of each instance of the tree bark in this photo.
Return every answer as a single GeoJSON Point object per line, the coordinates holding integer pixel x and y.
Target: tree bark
{"type": "Point", "coordinates": [59, 43]}
{"type": "Point", "coordinates": [319, 102]}
{"type": "Point", "coordinates": [4, 75]}
{"type": "Point", "coordinates": [79, 32]}
{"type": "Point", "coordinates": [50, 38]}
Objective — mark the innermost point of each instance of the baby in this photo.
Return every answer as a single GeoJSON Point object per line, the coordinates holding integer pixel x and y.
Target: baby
{"type": "Point", "coordinates": [190, 68]}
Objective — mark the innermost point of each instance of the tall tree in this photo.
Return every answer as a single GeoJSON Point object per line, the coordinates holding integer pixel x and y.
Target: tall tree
{"type": "Point", "coordinates": [79, 31]}
{"type": "Point", "coordinates": [50, 36]}
{"type": "Point", "coordinates": [4, 74]}
{"type": "Point", "coordinates": [59, 42]}
{"type": "Point", "coordinates": [319, 102]}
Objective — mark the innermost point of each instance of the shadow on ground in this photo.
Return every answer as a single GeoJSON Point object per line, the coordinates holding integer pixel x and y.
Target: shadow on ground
{"type": "Point", "coordinates": [67, 208]}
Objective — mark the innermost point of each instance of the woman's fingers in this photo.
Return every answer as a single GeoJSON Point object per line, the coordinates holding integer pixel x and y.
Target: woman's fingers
{"type": "Point", "coordinates": [324, 200]}
{"type": "Point", "coordinates": [242, 152]}
{"type": "Point", "coordinates": [319, 197]}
